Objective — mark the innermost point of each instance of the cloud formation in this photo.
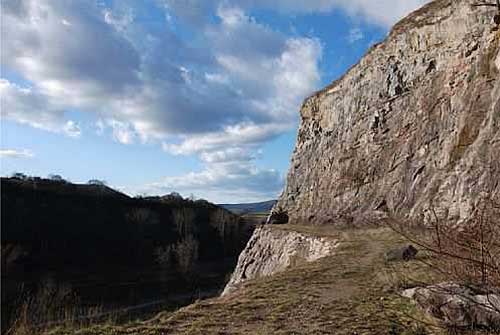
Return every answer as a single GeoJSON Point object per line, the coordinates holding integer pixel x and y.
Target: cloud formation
{"type": "Point", "coordinates": [77, 55]}
{"type": "Point", "coordinates": [199, 77]}
{"type": "Point", "coordinates": [380, 12]}
{"type": "Point", "coordinates": [145, 84]}
{"type": "Point", "coordinates": [236, 181]}
{"type": "Point", "coordinates": [16, 153]}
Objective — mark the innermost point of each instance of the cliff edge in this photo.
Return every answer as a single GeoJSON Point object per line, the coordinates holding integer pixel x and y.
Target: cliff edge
{"type": "Point", "coordinates": [272, 250]}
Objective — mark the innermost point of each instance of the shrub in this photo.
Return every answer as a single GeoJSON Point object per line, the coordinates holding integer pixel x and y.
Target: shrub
{"type": "Point", "coordinates": [467, 253]}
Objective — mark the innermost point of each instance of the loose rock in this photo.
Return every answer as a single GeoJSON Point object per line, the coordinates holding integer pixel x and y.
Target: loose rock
{"type": "Point", "coordinates": [405, 253]}
{"type": "Point", "coordinates": [458, 306]}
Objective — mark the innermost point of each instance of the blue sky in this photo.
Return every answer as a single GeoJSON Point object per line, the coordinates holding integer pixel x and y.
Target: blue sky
{"type": "Point", "coordinates": [196, 96]}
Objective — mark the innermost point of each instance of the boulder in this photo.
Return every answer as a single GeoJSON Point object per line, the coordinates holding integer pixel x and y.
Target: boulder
{"type": "Point", "coordinates": [458, 306]}
{"type": "Point", "coordinates": [277, 216]}
{"type": "Point", "coordinates": [404, 253]}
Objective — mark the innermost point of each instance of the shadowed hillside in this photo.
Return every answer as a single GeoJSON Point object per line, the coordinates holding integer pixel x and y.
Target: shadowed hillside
{"type": "Point", "coordinates": [57, 222]}
{"type": "Point", "coordinates": [102, 242]}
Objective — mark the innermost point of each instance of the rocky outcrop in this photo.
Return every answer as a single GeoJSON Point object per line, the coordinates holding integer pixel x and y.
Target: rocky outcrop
{"type": "Point", "coordinates": [413, 125]}
{"type": "Point", "coordinates": [277, 216]}
{"type": "Point", "coordinates": [271, 250]}
{"type": "Point", "coordinates": [458, 306]}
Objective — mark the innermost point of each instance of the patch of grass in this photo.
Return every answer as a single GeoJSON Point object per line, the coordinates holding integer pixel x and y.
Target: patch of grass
{"type": "Point", "coordinates": [345, 293]}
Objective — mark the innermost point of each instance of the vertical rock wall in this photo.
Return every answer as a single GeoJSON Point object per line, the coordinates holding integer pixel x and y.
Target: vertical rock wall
{"type": "Point", "coordinates": [414, 125]}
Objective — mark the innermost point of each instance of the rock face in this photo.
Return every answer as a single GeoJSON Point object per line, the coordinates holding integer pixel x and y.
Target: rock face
{"type": "Point", "coordinates": [271, 250]}
{"type": "Point", "coordinates": [458, 306]}
{"type": "Point", "coordinates": [413, 125]}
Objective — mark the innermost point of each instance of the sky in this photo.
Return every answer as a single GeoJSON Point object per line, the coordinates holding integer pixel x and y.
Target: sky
{"type": "Point", "coordinates": [199, 97]}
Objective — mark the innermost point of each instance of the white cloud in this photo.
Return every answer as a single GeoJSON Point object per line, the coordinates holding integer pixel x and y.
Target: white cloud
{"type": "Point", "coordinates": [145, 84]}
{"type": "Point", "coordinates": [72, 129]}
{"type": "Point", "coordinates": [232, 16]}
{"type": "Point", "coordinates": [355, 34]}
{"type": "Point", "coordinates": [16, 153]}
{"type": "Point", "coordinates": [228, 155]}
{"type": "Point", "coordinates": [217, 78]}
{"type": "Point", "coordinates": [100, 127]}
{"type": "Point", "coordinates": [123, 132]}
{"type": "Point", "coordinates": [380, 12]}
{"type": "Point", "coordinates": [243, 135]}
{"type": "Point", "coordinates": [222, 182]}
{"type": "Point", "coordinates": [153, 82]}
{"type": "Point", "coordinates": [119, 22]}
{"type": "Point", "coordinates": [28, 106]}
{"type": "Point", "coordinates": [220, 96]}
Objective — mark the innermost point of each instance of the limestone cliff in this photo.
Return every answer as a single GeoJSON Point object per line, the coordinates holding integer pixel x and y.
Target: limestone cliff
{"type": "Point", "coordinates": [413, 125]}
{"type": "Point", "coordinates": [271, 250]}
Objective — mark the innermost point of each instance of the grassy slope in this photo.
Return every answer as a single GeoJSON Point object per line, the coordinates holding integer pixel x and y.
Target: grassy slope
{"type": "Point", "coordinates": [351, 292]}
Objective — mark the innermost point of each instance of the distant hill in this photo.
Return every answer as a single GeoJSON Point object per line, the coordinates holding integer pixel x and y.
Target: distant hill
{"type": "Point", "coordinates": [256, 207]}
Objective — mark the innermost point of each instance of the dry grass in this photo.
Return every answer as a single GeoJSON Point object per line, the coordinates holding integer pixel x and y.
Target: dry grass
{"type": "Point", "coordinates": [51, 305]}
{"type": "Point", "coordinates": [351, 292]}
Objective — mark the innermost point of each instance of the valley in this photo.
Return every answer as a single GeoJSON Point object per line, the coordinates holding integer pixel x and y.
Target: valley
{"type": "Point", "coordinates": [388, 222]}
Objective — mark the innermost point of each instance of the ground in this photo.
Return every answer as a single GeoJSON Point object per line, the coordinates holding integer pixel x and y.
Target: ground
{"type": "Point", "coordinates": [353, 291]}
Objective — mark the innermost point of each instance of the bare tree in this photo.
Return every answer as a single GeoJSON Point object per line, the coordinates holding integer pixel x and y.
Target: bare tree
{"type": "Point", "coordinates": [186, 254]}
{"type": "Point", "coordinates": [464, 256]}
